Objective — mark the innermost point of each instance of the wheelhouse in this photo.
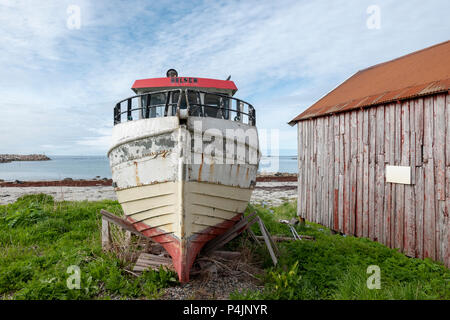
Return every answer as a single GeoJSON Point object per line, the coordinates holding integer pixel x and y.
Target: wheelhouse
{"type": "Point", "coordinates": [184, 97]}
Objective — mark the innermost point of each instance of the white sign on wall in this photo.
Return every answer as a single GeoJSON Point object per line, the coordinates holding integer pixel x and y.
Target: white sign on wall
{"type": "Point", "coordinates": [398, 174]}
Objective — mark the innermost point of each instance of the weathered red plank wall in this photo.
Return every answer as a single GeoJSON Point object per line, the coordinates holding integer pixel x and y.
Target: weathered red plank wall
{"type": "Point", "coordinates": [342, 183]}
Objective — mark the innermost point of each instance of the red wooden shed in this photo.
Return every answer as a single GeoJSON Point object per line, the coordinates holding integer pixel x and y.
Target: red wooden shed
{"type": "Point", "coordinates": [374, 155]}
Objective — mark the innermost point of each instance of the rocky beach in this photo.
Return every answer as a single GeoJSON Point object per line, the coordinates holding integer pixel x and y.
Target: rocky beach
{"type": "Point", "coordinates": [4, 158]}
{"type": "Point", "coordinates": [271, 189]}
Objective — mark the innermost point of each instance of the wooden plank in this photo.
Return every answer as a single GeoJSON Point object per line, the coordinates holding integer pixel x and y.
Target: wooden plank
{"type": "Point", "coordinates": [326, 172]}
{"type": "Point", "coordinates": [281, 238]}
{"type": "Point", "coordinates": [106, 235]}
{"type": "Point", "coordinates": [397, 137]}
{"type": "Point", "coordinates": [331, 180]}
{"type": "Point", "coordinates": [428, 129]}
{"type": "Point", "coordinates": [387, 186]}
{"type": "Point", "coordinates": [153, 258]}
{"type": "Point", "coordinates": [408, 213]}
{"type": "Point", "coordinates": [439, 169]}
{"type": "Point", "coordinates": [124, 224]}
{"type": "Point", "coordinates": [324, 166]}
{"type": "Point", "coordinates": [365, 211]}
{"type": "Point", "coordinates": [442, 226]}
{"type": "Point", "coordinates": [353, 141]}
{"type": "Point", "coordinates": [446, 233]}
{"type": "Point", "coordinates": [410, 210]}
{"type": "Point", "coordinates": [313, 169]}
{"type": "Point", "coordinates": [400, 189]}
{"type": "Point", "coordinates": [372, 159]}
{"type": "Point", "coordinates": [386, 216]}
{"type": "Point", "coordinates": [393, 124]}
{"type": "Point", "coordinates": [418, 128]}
{"type": "Point", "coordinates": [410, 222]}
{"type": "Point", "coordinates": [300, 167]}
{"type": "Point", "coordinates": [392, 161]}
{"type": "Point", "coordinates": [148, 261]}
{"type": "Point", "coordinates": [379, 174]}
{"type": "Point", "coordinates": [429, 245]}
{"type": "Point", "coordinates": [268, 242]}
{"type": "Point", "coordinates": [253, 236]}
{"type": "Point", "coordinates": [439, 145]}
{"type": "Point", "coordinates": [359, 175]}
{"type": "Point", "coordinates": [412, 141]}
{"type": "Point", "coordinates": [347, 180]}
{"type": "Point", "coordinates": [128, 238]}
{"type": "Point", "coordinates": [307, 168]}
{"type": "Point", "coordinates": [269, 236]}
{"type": "Point", "coordinates": [341, 173]}
{"type": "Point", "coordinates": [336, 172]}
{"type": "Point", "coordinates": [419, 206]}
{"type": "Point", "coordinates": [446, 221]}
{"type": "Point", "coordinates": [230, 234]}
{"type": "Point", "coordinates": [303, 184]}
{"type": "Point", "coordinates": [320, 155]}
{"type": "Point", "coordinates": [429, 212]}
{"type": "Point", "coordinates": [447, 132]}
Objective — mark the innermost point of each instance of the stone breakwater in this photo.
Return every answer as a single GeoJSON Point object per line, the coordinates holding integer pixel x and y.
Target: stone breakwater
{"type": "Point", "coordinates": [22, 157]}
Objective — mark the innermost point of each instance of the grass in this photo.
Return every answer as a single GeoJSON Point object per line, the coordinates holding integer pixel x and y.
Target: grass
{"type": "Point", "coordinates": [335, 267]}
{"type": "Point", "coordinates": [40, 239]}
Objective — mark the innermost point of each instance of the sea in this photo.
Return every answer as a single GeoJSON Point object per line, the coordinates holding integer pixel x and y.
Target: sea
{"type": "Point", "coordinates": [91, 167]}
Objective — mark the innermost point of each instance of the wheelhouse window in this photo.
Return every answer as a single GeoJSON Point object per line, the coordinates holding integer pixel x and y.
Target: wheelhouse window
{"type": "Point", "coordinates": [176, 98]}
{"type": "Point", "coordinates": [216, 106]}
{"type": "Point", "coordinates": [153, 105]}
{"type": "Point", "coordinates": [195, 104]}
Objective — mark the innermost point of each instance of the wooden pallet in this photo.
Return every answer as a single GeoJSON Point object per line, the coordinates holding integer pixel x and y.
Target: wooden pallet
{"type": "Point", "coordinates": [148, 261]}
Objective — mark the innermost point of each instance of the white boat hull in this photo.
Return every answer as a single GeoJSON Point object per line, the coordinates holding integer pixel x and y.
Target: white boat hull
{"type": "Point", "coordinates": [176, 193]}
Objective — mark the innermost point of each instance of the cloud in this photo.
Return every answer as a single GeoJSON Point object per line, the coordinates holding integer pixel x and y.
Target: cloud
{"type": "Point", "coordinates": [59, 85]}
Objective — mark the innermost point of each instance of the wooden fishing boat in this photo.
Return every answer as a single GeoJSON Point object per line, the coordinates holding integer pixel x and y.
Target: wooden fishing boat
{"type": "Point", "coordinates": [184, 159]}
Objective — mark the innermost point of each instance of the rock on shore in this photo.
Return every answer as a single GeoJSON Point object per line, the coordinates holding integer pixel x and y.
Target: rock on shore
{"type": "Point", "coordinates": [23, 157]}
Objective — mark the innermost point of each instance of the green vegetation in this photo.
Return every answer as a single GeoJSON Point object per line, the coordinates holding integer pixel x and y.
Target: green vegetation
{"type": "Point", "coordinates": [335, 266]}
{"type": "Point", "coordinates": [41, 238]}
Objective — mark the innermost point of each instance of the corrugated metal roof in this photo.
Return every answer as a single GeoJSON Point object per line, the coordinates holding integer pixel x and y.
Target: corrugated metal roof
{"type": "Point", "coordinates": [420, 73]}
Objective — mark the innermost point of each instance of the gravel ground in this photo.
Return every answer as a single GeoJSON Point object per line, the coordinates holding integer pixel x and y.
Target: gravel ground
{"type": "Point", "coordinates": [216, 287]}
{"type": "Point", "coordinates": [269, 193]}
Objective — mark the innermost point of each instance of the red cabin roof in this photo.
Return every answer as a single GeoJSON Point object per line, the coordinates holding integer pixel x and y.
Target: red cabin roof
{"type": "Point", "coordinates": [193, 82]}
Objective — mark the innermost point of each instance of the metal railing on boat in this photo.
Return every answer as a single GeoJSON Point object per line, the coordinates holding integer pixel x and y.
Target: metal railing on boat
{"type": "Point", "coordinates": [197, 103]}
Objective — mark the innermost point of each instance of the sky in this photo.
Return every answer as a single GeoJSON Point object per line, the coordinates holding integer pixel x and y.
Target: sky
{"type": "Point", "coordinates": [64, 64]}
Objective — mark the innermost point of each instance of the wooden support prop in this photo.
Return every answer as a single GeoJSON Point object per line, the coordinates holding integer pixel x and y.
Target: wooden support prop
{"type": "Point", "coordinates": [229, 235]}
{"type": "Point", "coordinates": [106, 235]}
{"type": "Point", "coordinates": [124, 224]}
{"type": "Point", "coordinates": [107, 218]}
{"type": "Point", "coordinates": [268, 240]}
{"type": "Point", "coordinates": [281, 238]}
{"type": "Point", "coordinates": [254, 237]}
{"type": "Point", "coordinates": [128, 238]}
